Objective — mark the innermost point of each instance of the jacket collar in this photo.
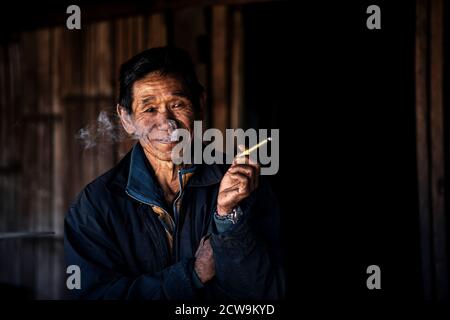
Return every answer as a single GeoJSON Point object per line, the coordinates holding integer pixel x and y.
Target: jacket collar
{"type": "Point", "coordinates": [143, 185]}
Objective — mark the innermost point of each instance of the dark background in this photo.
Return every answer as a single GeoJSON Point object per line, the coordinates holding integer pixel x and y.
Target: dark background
{"type": "Point", "coordinates": [343, 97]}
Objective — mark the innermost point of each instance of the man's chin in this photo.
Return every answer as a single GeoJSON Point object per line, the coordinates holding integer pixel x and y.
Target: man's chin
{"type": "Point", "coordinates": [164, 151]}
{"type": "Point", "coordinates": [170, 144]}
{"type": "Point", "coordinates": [159, 150]}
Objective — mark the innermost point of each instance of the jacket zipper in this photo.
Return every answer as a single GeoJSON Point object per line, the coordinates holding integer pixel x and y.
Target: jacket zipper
{"type": "Point", "coordinates": [151, 204]}
{"type": "Point", "coordinates": [175, 214]}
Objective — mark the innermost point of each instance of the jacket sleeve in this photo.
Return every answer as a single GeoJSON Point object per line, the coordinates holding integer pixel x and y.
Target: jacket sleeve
{"type": "Point", "coordinates": [89, 245]}
{"type": "Point", "coordinates": [248, 255]}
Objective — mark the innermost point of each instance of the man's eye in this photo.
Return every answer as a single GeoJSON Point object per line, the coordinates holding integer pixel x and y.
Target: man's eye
{"type": "Point", "coordinates": [151, 110]}
{"type": "Point", "coordinates": [178, 105]}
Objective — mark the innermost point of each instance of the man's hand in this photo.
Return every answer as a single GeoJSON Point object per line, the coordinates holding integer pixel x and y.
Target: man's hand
{"type": "Point", "coordinates": [238, 182]}
{"type": "Point", "coordinates": [204, 261]}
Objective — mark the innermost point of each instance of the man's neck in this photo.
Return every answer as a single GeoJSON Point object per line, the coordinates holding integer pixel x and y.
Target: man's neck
{"type": "Point", "coordinates": [166, 172]}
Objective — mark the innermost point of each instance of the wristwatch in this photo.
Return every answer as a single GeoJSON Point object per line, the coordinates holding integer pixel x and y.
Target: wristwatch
{"type": "Point", "coordinates": [232, 216]}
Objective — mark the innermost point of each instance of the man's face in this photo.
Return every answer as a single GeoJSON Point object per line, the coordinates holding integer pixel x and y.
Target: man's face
{"type": "Point", "coordinates": [161, 104]}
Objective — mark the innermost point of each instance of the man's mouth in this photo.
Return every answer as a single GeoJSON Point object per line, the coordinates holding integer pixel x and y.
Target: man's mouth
{"type": "Point", "coordinates": [165, 141]}
{"type": "Point", "coordinates": [173, 137]}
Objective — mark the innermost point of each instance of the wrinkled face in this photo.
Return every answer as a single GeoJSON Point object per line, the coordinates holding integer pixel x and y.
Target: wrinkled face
{"type": "Point", "coordinates": [161, 104]}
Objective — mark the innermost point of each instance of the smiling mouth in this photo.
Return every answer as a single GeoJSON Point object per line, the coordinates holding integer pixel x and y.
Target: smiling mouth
{"type": "Point", "coordinates": [165, 141]}
{"type": "Point", "coordinates": [173, 138]}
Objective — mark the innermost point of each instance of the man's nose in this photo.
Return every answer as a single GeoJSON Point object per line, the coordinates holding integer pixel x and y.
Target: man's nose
{"type": "Point", "coordinates": [166, 119]}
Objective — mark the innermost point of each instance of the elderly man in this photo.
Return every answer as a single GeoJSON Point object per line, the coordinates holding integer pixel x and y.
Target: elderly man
{"type": "Point", "coordinates": [150, 229]}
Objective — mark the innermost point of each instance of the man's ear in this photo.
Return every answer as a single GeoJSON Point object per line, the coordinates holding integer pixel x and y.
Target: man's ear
{"type": "Point", "coordinates": [125, 119]}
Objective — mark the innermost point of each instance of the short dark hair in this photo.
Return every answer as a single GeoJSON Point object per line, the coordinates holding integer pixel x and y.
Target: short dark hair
{"type": "Point", "coordinates": [164, 60]}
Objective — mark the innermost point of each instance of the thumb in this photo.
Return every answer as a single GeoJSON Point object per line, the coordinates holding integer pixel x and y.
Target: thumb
{"type": "Point", "coordinates": [240, 160]}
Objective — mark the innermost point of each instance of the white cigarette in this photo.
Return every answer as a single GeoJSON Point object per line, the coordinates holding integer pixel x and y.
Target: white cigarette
{"type": "Point", "coordinates": [248, 151]}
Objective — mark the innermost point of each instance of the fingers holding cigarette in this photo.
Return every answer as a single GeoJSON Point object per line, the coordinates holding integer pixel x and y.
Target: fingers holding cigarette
{"type": "Point", "coordinates": [240, 180]}
{"type": "Point", "coordinates": [243, 156]}
{"type": "Point", "coordinates": [246, 165]}
{"type": "Point", "coordinates": [250, 150]}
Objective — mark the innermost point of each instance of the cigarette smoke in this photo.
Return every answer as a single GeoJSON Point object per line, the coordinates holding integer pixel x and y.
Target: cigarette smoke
{"type": "Point", "coordinates": [104, 131]}
{"type": "Point", "coordinates": [164, 131]}
{"type": "Point", "coordinates": [108, 130]}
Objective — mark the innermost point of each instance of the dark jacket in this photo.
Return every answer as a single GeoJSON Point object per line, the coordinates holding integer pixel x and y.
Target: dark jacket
{"type": "Point", "coordinates": [115, 233]}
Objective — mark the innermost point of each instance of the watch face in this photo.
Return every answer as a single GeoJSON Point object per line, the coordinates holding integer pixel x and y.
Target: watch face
{"type": "Point", "coordinates": [234, 215]}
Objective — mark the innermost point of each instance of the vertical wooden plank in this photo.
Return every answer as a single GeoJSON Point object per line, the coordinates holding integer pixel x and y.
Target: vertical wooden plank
{"type": "Point", "coordinates": [35, 146]}
{"type": "Point", "coordinates": [121, 54]}
{"type": "Point", "coordinates": [69, 87]}
{"type": "Point", "coordinates": [96, 97]}
{"type": "Point", "coordinates": [13, 131]}
{"type": "Point", "coordinates": [157, 31]}
{"type": "Point", "coordinates": [28, 143]}
{"type": "Point", "coordinates": [72, 112]}
{"type": "Point", "coordinates": [58, 206]}
{"type": "Point", "coordinates": [89, 108]}
{"type": "Point", "coordinates": [237, 70]}
{"type": "Point", "coordinates": [27, 148]}
{"type": "Point", "coordinates": [59, 271]}
{"type": "Point", "coordinates": [6, 147]}
{"type": "Point", "coordinates": [138, 23]}
{"type": "Point", "coordinates": [58, 132]}
{"type": "Point", "coordinates": [130, 40]}
{"type": "Point", "coordinates": [105, 101]}
{"type": "Point", "coordinates": [437, 148]}
{"type": "Point", "coordinates": [430, 147]}
{"type": "Point", "coordinates": [220, 75]}
{"type": "Point", "coordinates": [422, 139]}
{"type": "Point", "coordinates": [9, 154]}
{"type": "Point", "coordinates": [189, 27]}
{"type": "Point", "coordinates": [65, 83]}
{"type": "Point", "coordinates": [44, 124]}
{"type": "Point", "coordinates": [10, 270]}
{"type": "Point", "coordinates": [3, 137]}
{"type": "Point", "coordinates": [190, 32]}
{"type": "Point", "coordinates": [15, 260]}
{"type": "Point", "coordinates": [30, 139]}
{"type": "Point", "coordinates": [97, 78]}
{"type": "Point", "coordinates": [104, 58]}
{"type": "Point", "coordinates": [119, 37]}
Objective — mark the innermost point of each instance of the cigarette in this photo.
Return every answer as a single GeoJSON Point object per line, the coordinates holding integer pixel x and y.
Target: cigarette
{"type": "Point", "coordinates": [248, 151]}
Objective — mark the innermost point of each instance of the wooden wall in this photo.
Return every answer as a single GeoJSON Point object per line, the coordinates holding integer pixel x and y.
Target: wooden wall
{"type": "Point", "coordinates": [53, 82]}
{"type": "Point", "coordinates": [432, 148]}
